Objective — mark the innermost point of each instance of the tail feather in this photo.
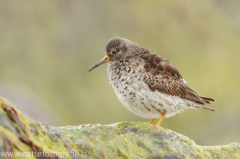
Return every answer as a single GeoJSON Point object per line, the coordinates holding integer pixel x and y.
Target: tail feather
{"type": "Point", "coordinates": [208, 108]}
{"type": "Point", "coordinates": [208, 100]}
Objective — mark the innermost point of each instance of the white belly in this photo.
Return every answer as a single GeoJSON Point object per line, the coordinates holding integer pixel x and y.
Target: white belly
{"type": "Point", "coordinates": [139, 99]}
{"type": "Point", "coordinates": [136, 96]}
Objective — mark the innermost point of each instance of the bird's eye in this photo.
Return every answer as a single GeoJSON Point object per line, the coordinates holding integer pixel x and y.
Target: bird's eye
{"type": "Point", "coordinates": [117, 50]}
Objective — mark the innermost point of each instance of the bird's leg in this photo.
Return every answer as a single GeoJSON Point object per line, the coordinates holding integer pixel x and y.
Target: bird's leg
{"type": "Point", "coordinates": [153, 119]}
{"type": "Point", "coordinates": [161, 119]}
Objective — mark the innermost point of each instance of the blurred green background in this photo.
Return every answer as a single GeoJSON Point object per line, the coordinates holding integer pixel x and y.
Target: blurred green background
{"type": "Point", "coordinates": [47, 47]}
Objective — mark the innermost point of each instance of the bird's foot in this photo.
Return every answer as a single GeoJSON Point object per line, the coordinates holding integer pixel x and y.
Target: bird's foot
{"type": "Point", "coordinates": [156, 126]}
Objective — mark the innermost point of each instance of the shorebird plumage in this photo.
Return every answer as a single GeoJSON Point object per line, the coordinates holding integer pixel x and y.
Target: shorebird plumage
{"type": "Point", "coordinates": [147, 84]}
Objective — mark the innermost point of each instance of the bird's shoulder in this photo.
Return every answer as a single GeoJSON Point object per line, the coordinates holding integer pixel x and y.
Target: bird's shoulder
{"type": "Point", "coordinates": [157, 65]}
{"type": "Point", "coordinates": [161, 75]}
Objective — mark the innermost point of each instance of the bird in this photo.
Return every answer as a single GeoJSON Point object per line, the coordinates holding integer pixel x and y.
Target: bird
{"type": "Point", "coordinates": [147, 84]}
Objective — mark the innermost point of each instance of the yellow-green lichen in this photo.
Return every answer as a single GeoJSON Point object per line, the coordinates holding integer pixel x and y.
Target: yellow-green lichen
{"type": "Point", "coordinates": [119, 140]}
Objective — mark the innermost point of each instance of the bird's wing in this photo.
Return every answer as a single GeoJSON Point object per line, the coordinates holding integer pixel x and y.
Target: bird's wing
{"type": "Point", "coordinates": [165, 78]}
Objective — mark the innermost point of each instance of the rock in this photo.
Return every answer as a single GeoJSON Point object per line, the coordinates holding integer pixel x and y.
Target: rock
{"type": "Point", "coordinates": [23, 136]}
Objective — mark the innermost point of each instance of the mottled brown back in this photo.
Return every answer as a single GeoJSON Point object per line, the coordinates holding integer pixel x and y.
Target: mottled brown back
{"type": "Point", "coordinates": [167, 79]}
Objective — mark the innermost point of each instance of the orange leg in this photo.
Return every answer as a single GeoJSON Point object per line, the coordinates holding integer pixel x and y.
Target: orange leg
{"type": "Point", "coordinates": [151, 122]}
{"type": "Point", "coordinates": [161, 119]}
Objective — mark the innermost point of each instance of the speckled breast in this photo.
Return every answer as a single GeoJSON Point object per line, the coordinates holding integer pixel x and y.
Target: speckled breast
{"type": "Point", "coordinates": [126, 78]}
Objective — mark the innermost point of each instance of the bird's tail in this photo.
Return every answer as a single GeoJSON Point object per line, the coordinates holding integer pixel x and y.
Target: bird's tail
{"type": "Point", "coordinates": [208, 100]}
{"type": "Point", "coordinates": [207, 108]}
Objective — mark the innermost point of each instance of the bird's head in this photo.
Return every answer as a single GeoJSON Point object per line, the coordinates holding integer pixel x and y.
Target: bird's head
{"type": "Point", "coordinates": [117, 49]}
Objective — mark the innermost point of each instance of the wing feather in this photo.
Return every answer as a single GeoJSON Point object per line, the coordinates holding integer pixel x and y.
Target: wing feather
{"type": "Point", "coordinates": [166, 79]}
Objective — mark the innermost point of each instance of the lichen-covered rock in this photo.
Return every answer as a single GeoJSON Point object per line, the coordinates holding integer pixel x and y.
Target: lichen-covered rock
{"type": "Point", "coordinates": [24, 138]}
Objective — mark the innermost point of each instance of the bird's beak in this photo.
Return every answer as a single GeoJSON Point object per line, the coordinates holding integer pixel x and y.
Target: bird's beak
{"type": "Point", "coordinates": [104, 60]}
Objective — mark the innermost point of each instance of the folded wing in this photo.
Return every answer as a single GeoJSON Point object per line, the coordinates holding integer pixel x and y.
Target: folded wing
{"type": "Point", "coordinates": [165, 78]}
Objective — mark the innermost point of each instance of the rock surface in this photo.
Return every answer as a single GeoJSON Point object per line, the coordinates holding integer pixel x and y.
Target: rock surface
{"type": "Point", "coordinates": [26, 138]}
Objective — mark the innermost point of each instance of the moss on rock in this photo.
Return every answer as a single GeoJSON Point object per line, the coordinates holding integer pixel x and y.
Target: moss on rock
{"type": "Point", "coordinates": [120, 140]}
